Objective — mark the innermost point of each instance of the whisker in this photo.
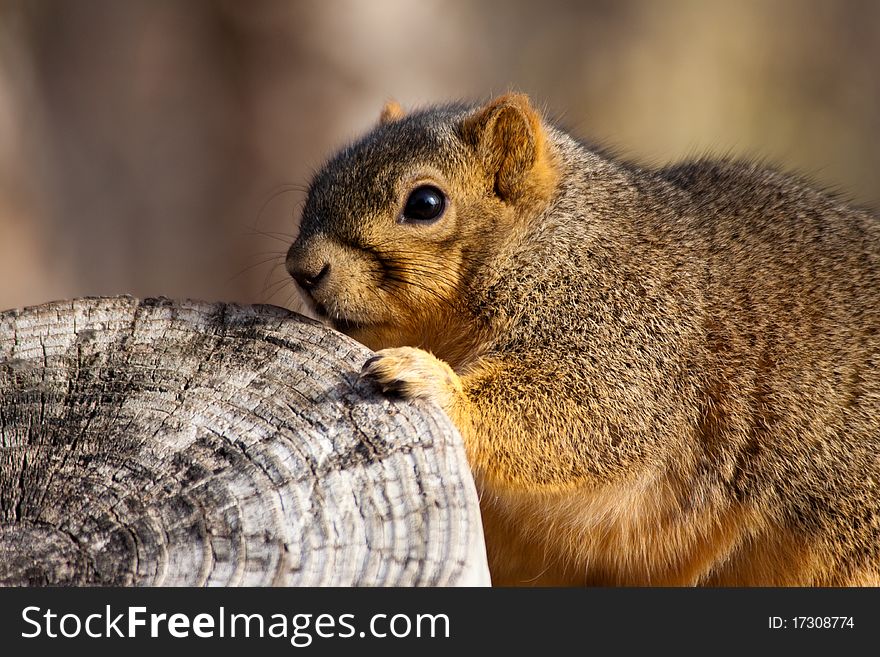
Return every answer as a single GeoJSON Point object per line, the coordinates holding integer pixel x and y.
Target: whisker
{"type": "Point", "coordinates": [274, 294]}
{"type": "Point", "coordinates": [276, 284]}
{"type": "Point", "coordinates": [284, 238]}
{"type": "Point", "coordinates": [254, 266]}
{"type": "Point", "coordinates": [283, 189]}
{"type": "Point", "coordinates": [271, 271]}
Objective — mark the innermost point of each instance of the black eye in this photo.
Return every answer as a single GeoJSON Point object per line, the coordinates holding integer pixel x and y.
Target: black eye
{"type": "Point", "coordinates": [425, 203]}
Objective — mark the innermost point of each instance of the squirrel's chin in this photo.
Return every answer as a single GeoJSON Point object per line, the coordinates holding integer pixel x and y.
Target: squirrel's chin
{"type": "Point", "coordinates": [373, 336]}
{"type": "Point", "coordinates": [345, 325]}
{"type": "Point", "coordinates": [354, 328]}
{"type": "Point", "coordinates": [342, 324]}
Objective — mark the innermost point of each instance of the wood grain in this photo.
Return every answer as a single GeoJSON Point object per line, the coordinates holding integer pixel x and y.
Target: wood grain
{"type": "Point", "coordinates": [162, 443]}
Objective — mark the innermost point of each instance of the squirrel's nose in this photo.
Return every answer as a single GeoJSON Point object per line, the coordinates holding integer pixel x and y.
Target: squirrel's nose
{"type": "Point", "coordinates": [308, 278]}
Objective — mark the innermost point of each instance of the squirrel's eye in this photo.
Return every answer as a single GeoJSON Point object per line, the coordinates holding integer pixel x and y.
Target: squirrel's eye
{"type": "Point", "coordinates": [425, 203]}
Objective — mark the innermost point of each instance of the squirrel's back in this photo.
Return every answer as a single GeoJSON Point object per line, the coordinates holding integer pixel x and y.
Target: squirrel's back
{"type": "Point", "coordinates": [791, 417]}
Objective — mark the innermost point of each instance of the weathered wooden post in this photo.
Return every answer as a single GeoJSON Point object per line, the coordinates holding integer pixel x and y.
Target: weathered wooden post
{"type": "Point", "coordinates": [153, 442]}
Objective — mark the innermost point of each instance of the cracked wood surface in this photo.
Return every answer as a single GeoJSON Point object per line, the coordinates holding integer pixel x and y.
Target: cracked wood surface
{"type": "Point", "coordinates": [155, 442]}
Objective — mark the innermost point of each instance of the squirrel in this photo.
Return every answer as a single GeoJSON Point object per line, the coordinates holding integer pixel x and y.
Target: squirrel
{"type": "Point", "coordinates": [662, 376]}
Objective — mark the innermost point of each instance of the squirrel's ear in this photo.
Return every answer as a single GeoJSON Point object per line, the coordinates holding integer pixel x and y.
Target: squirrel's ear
{"type": "Point", "coordinates": [391, 111]}
{"type": "Point", "coordinates": [509, 138]}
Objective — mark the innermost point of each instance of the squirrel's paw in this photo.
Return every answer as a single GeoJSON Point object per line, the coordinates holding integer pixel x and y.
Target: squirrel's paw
{"type": "Point", "coordinates": [413, 373]}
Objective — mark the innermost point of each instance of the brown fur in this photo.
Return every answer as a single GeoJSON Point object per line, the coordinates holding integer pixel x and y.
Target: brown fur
{"type": "Point", "coordinates": [662, 377]}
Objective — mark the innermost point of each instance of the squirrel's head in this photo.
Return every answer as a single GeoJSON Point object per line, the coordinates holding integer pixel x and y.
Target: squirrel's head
{"type": "Point", "coordinates": [398, 227]}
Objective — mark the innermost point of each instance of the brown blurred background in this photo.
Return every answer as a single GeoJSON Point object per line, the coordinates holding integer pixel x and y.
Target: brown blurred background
{"type": "Point", "coordinates": [147, 145]}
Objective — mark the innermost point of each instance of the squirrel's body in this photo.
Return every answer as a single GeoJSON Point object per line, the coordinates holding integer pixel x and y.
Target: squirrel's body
{"type": "Point", "coordinates": [662, 377]}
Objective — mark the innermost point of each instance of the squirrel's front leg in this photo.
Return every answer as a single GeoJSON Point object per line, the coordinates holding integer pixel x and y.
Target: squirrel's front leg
{"type": "Point", "coordinates": [415, 374]}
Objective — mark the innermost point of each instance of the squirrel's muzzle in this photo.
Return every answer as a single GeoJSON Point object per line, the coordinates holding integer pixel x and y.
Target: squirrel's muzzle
{"type": "Point", "coordinates": [335, 279]}
{"type": "Point", "coordinates": [307, 271]}
{"type": "Point", "coordinates": [308, 280]}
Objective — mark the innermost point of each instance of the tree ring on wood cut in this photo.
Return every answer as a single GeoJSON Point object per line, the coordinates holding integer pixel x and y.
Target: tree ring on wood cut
{"type": "Point", "coordinates": [156, 442]}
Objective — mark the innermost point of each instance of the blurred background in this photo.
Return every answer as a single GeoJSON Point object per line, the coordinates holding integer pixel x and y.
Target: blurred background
{"type": "Point", "coordinates": [160, 147]}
